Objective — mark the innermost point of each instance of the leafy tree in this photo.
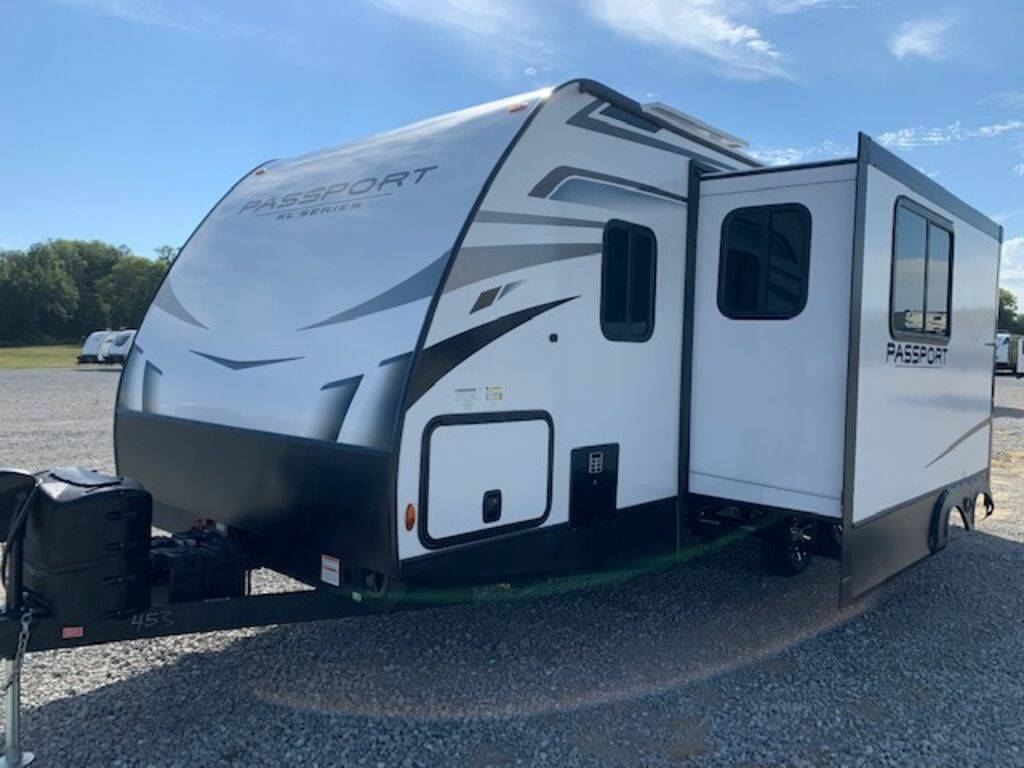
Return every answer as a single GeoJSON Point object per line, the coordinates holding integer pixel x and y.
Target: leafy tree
{"type": "Point", "coordinates": [166, 254]}
{"type": "Point", "coordinates": [1009, 319]}
{"type": "Point", "coordinates": [37, 296]}
{"type": "Point", "coordinates": [128, 289]}
{"type": "Point", "coordinates": [87, 262]}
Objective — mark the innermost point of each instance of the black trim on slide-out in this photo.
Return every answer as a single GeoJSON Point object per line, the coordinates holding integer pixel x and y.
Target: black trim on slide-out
{"type": "Point", "coordinates": [853, 366]}
{"type": "Point", "coordinates": [900, 170]}
{"type": "Point", "coordinates": [695, 174]}
{"type": "Point", "coordinates": [715, 175]}
{"type": "Point", "coordinates": [894, 539]}
{"type": "Point", "coordinates": [500, 417]}
{"type": "Point", "coordinates": [149, 304]}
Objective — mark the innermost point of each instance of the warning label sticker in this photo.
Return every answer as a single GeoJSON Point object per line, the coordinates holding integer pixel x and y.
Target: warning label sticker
{"type": "Point", "coordinates": [330, 570]}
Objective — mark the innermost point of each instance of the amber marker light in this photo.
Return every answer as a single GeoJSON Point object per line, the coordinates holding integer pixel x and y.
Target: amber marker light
{"type": "Point", "coordinates": [410, 517]}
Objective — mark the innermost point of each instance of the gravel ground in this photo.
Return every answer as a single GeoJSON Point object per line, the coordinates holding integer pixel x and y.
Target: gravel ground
{"type": "Point", "coordinates": [708, 663]}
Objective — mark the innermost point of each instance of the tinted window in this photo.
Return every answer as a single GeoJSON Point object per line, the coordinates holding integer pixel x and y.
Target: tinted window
{"type": "Point", "coordinates": [627, 282]}
{"type": "Point", "coordinates": [764, 262]}
{"type": "Point", "coordinates": [922, 261]}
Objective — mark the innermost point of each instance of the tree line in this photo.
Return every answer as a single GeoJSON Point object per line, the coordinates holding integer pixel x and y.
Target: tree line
{"type": "Point", "coordinates": [60, 291]}
{"type": "Point", "coordinates": [1009, 317]}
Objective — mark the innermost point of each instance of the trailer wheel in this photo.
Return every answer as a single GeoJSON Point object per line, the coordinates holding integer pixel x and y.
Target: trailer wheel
{"type": "Point", "coordinates": [787, 548]}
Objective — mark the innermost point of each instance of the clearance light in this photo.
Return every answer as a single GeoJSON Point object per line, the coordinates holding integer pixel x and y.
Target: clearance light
{"type": "Point", "coordinates": [410, 517]}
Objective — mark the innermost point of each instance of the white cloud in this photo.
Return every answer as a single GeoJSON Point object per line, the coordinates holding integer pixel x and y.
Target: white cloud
{"type": "Point", "coordinates": [1009, 99]}
{"type": "Point", "coordinates": [925, 38]}
{"type": "Point", "coordinates": [708, 28]}
{"type": "Point", "coordinates": [511, 31]}
{"type": "Point", "coordinates": [159, 13]}
{"type": "Point", "coordinates": [921, 136]}
{"type": "Point", "coordinates": [1011, 271]}
{"type": "Point", "coordinates": [139, 11]}
{"type": "Point", "coordinates": [472, 17]}
{"type": "Point", "coordinates": [789, 155]}
{"type": "Point", "coordinates": [1019, 169]}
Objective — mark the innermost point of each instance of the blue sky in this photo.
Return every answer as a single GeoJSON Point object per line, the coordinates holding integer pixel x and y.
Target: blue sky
{"type": "Point", "coordinates": [125, 120]}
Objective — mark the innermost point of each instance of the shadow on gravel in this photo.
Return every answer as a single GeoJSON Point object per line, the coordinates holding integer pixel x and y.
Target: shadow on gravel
{"type": "Point", "coordinates": [1001, 412]}
{"type": "Point", "coordinates": [553, 656]}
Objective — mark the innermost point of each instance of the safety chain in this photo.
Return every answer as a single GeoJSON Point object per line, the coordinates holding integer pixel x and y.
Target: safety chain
{"type": "Point", "coordinates": [19, 654]}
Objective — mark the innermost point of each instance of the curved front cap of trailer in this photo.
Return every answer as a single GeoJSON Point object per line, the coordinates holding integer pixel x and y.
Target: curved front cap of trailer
{"type": "Point", "coordinates": [295, 306]}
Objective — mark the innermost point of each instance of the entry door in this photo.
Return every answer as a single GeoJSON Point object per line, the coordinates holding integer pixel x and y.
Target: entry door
{"type": "Point", "coordinates": [771, 325]}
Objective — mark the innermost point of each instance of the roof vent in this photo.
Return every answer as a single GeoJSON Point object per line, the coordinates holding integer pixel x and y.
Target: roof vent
{"type": "Point", "coordinates": [693, 125]}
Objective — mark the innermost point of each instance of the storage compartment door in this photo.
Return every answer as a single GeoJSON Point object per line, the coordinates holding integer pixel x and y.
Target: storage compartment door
{"type": "Point", "coordinates": [484, 475]}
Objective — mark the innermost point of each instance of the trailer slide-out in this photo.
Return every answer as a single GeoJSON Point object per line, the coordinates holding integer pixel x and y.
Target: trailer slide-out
{"type": "Point", "coordinates": [518, 339]}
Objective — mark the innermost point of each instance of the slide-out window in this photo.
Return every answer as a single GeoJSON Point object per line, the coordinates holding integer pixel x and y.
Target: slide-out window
{"type": "Point", "coordinates": [628, 263]}
{"type": "Point", "coordinates": [765, 257]}
{"type": "Point", "coordinates": [922, 272]}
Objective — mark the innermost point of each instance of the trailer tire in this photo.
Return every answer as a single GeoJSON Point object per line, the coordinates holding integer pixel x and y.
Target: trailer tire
{"type": "Point", "coordinates": [787, 547]}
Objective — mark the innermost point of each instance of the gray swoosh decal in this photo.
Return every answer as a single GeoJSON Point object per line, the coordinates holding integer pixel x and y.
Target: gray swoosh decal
{"type": "Point", "coordinates": [485, 299]}
{"type": "Point", "coordinates": [418, 286]}
{"type": "Point", "coordinates": [546, 186]}
{"type": "Point", "coordinates": [167, 300]}
{"type": "Point", "coordinates": [502, 217]}
{"type": "Point", "coordinates": [582, 119]}
{"type": "Point", "coordinates": [482, 262]}
{"type": "Point", "coordinates": [976, 428]}
{"type": "Point", "coordinates": [150, 384]}
{"type": "Point", "coordinates": [332, 407]}
{"type": "Point", "coordinates": [241, 365]}
{"type": "Point", "coordinates": [598, 194]}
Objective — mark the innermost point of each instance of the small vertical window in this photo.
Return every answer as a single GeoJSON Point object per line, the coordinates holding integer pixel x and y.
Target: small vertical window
{"type": "Point", "coordinates": [922, 266]}
{"type": "Point", "coordinates": [764, 262]}
{"type": "Point", "coordinates": [628, 263]}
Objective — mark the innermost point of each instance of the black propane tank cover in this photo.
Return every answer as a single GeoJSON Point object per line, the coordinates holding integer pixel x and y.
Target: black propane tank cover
{"type": "Point", "coordinates": [15, 486]}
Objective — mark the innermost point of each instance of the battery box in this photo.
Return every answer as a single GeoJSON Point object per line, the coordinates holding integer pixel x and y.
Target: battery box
{"type": "Point", "coordinates": [197, 565]}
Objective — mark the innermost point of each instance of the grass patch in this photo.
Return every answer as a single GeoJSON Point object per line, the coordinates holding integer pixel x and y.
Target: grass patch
{"type": "Point", "coordinates": [57, 356]}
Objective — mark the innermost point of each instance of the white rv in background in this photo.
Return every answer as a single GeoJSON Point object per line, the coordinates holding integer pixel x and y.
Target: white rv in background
{"type": "Point", "coordinates": [1003, 350]}
{"type": "Point", "coordinates": [117, 352]}
{"type": "Point", "coordinates": [91, 347]}
{"type": "Point", "coordinates": [504, 341]}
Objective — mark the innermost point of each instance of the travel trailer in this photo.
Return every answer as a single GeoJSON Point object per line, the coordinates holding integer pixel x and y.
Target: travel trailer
{"type": "Point", "coordinates": [117, 352]}
{"type": "Point", "coordinates": [91, 347]}
{"type": "Point", "coordinates": [1003, 350]}
{"type": "Point", "coordinates": [1009, 353]}
{"type": "Point", "coordinates": [504, 342]}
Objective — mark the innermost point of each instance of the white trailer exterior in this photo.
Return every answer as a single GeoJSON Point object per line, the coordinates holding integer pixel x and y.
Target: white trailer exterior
{"type": "Point", "coordinates": [520, 338]}
{"type": "Point", "coordinates": [91, 347]}
{"type": "Point", "coordinates": [119, 347]}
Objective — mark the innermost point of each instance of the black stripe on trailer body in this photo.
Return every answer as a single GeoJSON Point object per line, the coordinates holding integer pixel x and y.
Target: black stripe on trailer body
{"type": "Point", "coordinates": [441, 358]}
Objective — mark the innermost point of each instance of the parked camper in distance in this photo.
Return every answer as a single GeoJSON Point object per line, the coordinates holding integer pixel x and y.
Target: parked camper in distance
{"type": "Point", "coordinates": [91, 347]}
{"type": "Point", "coordinates": [1003, 351]}
{"type": "Point", "coordinates": [120, 345]}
